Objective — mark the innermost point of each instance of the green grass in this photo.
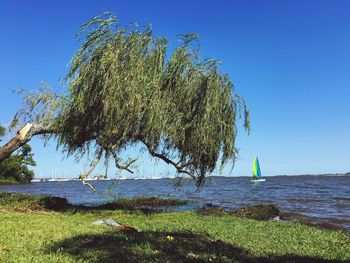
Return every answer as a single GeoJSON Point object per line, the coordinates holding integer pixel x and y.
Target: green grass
{"type": "Point", "coordinates": [46, 236]}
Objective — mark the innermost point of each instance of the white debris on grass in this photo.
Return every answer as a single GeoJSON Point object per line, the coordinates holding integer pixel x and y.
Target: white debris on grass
{"type": "Point", "coordinates": [108, 222]}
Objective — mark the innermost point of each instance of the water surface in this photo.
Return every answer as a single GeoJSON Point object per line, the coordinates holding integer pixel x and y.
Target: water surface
{"type": "Point", "coordinates": [326, 198]}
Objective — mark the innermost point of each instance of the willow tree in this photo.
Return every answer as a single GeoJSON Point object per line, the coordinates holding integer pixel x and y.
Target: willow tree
{"type": "Point", "coordinates": [124, 87]}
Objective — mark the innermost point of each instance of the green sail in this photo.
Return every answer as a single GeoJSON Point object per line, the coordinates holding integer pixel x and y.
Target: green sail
{"type": "Point", "coordinates": [256, 168]}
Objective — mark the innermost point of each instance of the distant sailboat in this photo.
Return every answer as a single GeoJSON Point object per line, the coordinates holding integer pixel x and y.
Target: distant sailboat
{"type": "Point", "coordinates": [256, 171]}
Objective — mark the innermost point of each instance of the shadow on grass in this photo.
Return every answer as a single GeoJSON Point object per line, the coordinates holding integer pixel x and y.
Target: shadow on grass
{"type": "Point", "coordinates": [161, 247]}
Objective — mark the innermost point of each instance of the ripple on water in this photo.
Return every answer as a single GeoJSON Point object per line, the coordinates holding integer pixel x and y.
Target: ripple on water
{"type": "Point", "coordinates": [318, 196]}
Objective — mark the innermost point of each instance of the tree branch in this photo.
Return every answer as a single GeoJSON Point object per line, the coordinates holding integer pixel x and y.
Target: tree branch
{"type": "Point", "coordinates": [178, 168]}
{"type": "Point", "coordinates": [123, 167]}
{"type": "Point", "coordinates": [89, 185]}
{"type": "Point", "coordinates": [23, 136]}
{"type": "Point", "coordinates": [93, 166]}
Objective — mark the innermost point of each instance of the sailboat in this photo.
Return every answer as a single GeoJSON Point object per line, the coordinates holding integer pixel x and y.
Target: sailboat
{"type": "Point", "coordinates": [256, 171]}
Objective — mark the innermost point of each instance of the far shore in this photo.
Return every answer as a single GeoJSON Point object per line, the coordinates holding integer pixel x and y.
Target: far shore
{"type": "Point", "coordinates": [36, 180]}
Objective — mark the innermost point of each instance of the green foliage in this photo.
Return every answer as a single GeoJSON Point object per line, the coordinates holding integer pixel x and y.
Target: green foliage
{"type": "Point", "coordinates": [123, 89]}
{"type": "Point", "coordinates": [2, 132]}
{"type": "Point", "coordinates": [18, 200]}
{"type": "Point", "coordinates": [8, 181]}
{"type": "Point", "coordinates": [15, 167]}
{"type": "Point", "coordinates": [39, 106]}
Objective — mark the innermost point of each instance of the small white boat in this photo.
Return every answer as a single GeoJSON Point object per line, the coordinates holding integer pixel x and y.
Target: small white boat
{"type": "Point", "coordinates": [256, 172]}
{"type": "Point", "coordinates": [257, 180]}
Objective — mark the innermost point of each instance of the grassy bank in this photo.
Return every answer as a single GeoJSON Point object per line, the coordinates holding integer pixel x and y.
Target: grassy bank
{"type": "Point", "coordinates": [29, 235]}
{"type": "Point", "coordinates": [5, 181]}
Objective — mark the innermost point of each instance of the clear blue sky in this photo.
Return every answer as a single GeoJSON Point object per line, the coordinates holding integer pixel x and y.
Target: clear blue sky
{"type": "Point", "coordinates": [290, 60]}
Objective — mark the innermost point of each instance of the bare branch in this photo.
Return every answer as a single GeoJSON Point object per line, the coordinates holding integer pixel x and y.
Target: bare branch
{"type": "Point", "coordinates": [88, 184]}
{"type": "Point", "coordinates": [93, 166]}
{"type": "Point", "coordinates": [23, 136]}
{"type": "Point", "coordinates": [178, 168]}
{"type": "Point", "coordinates": [123, 167]}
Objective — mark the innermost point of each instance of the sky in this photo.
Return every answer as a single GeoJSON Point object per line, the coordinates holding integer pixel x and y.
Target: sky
{"type": "Point", "coordinates": [290, 60]}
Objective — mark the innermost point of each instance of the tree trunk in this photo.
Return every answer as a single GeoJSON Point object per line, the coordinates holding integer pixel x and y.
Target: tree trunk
{"type": "Point", "coordinates": [23, 136]}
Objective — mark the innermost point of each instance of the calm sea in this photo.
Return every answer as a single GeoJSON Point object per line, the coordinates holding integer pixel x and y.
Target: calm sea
{"type": "Point", "coordinates": [326, 198]}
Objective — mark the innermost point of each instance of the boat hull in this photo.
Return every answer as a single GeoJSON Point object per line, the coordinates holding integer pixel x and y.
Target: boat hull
{"type": "Point", "coordinates": [257, 180]}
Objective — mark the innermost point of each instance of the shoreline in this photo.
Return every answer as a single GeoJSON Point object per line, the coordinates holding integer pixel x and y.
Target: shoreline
{"type": "Point", "coordinates": [311, 200]}
{"type": "Point", "coordinates": [151, 236]}
{"type": "Point", "coordinates": [157, 204]}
